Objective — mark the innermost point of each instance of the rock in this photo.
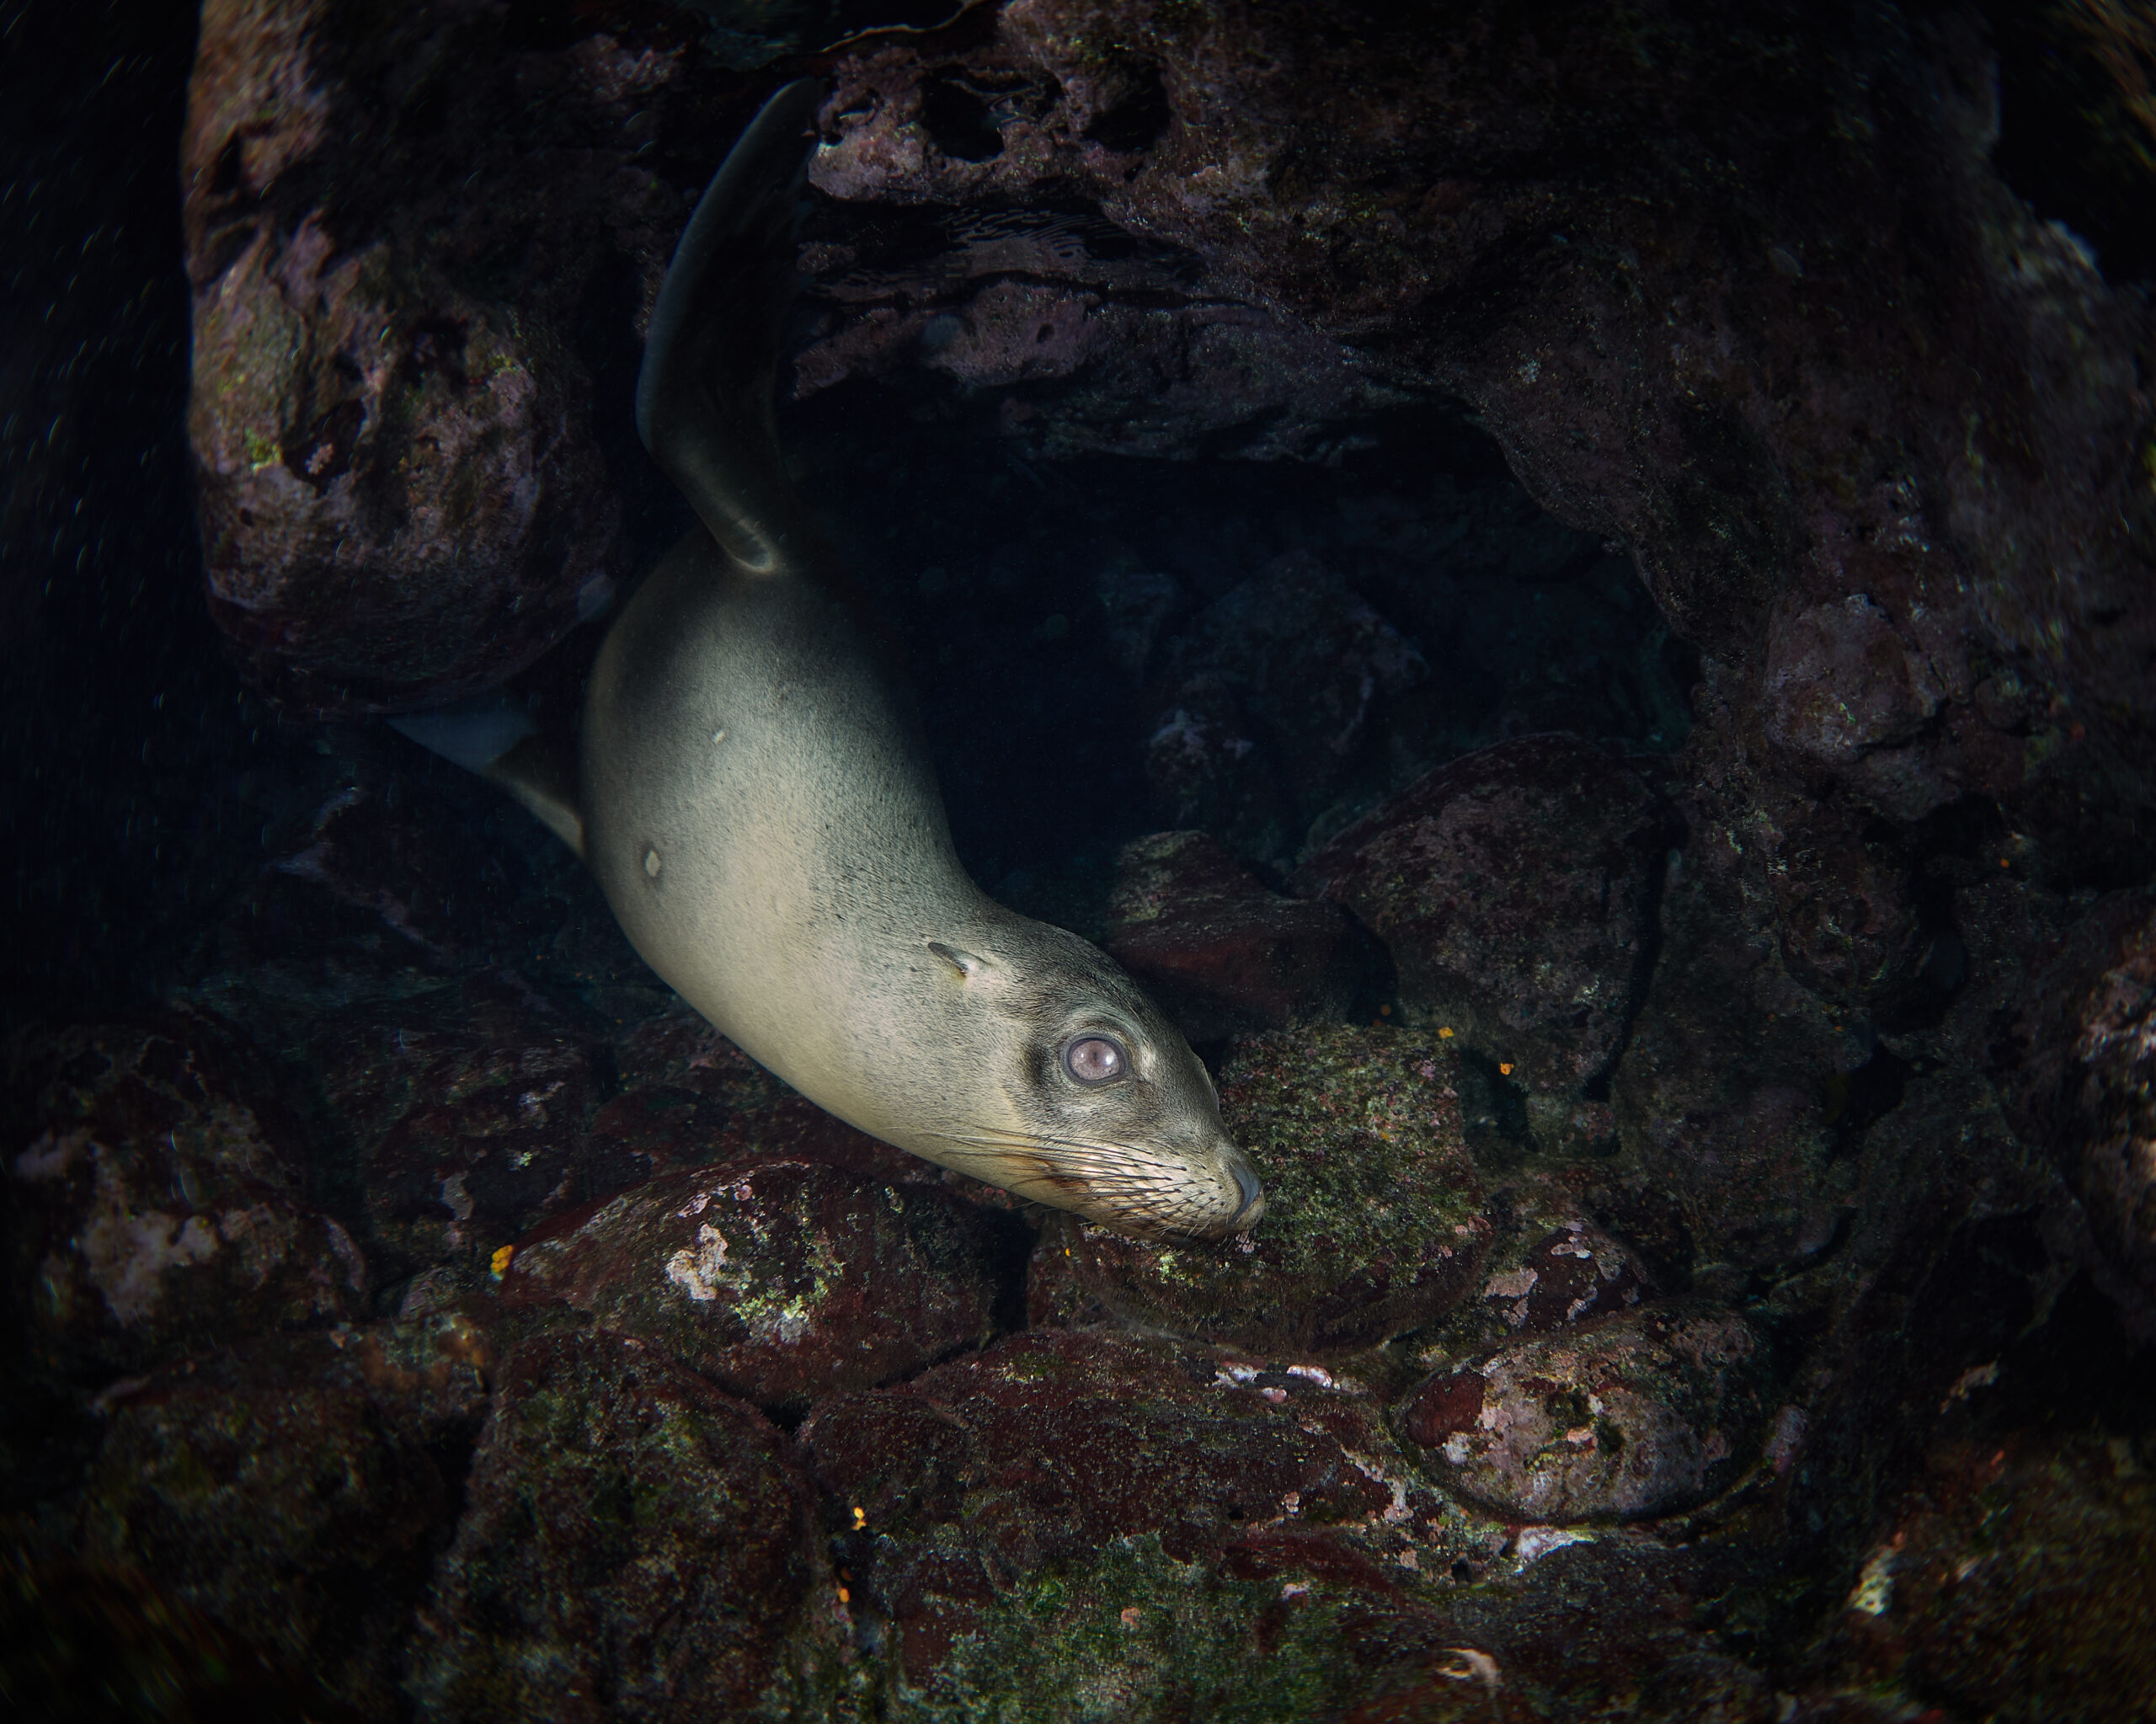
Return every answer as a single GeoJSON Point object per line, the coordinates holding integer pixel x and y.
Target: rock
{"type": "Point", "coordinates": [1374, 1223]}
{"type": "Point", "coordinates": [1572, 1275]}
{"type": "Point", "coordinates": [634, 1545]}
{"type": "Point", "coordinates": [2014, 1580]}
{"type": "Point", "coordinates": [467, 1112]}
{"type": "Point", "coordinates": [1311, 669]}
{"type": "Point", "coordinates": [88, 1642]}
{"type": "Point", "coordinates": [2075, 1063]}
{"type": "Point", "coordinates": [1005, 1486]}
{"type": "Point", "coordinates": [781, 1281]}
{"type": "Point", "coordinates": [1723, 1094]}
{"type": "Point", "coordinates": [157, 1199]}
{"type": "Point", "coordinates": [1645, 1414]}
{"type": "Point", "coordinates": [419, 250]}
{"type": "Point", "coordinates": [1516, 890]}
{"type": "Point", "coordinates": [1220, 954]}
{"type": "Point", "coordinates": [1842, 687]}
{"type": "Point", "coordinates": [298, 1492]}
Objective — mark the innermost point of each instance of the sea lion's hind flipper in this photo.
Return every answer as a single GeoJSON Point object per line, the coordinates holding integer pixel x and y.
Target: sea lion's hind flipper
{"type": "Point", "coordinates": [704, 394]}
{"type": "Point", "coordinates": [496, 738]}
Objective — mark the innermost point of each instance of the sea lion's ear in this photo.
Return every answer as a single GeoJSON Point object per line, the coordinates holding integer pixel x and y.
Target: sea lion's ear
{"type": "Point", "coordinates": [965, 964]}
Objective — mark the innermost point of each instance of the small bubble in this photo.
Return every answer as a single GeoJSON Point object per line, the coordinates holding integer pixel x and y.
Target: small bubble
{"type": "Point", "coordinates": [651, 864]}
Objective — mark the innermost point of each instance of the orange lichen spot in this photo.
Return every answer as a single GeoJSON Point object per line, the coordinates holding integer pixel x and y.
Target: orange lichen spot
{"type": "Point", "coordinates": [1445, 1034]}
{"type": "Point", "coordinates": [1504, 1068]}
{"type": "Point", "coordinates": [860, 1518]}
{"type": "Point", "coordinates": [500, 1262]}
{"type": "Point", "coordinates": [1385, 1011]}
{"type": "Point", "coordinates": [844, 1597]}
{"type": "Point", "coordinates": [2006, 861]}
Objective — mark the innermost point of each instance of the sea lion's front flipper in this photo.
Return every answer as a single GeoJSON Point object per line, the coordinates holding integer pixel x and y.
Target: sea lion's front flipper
{"type": "Point", "coordinates": [704, 395]}
{"type": "Point", "coordinates": [496, 738]}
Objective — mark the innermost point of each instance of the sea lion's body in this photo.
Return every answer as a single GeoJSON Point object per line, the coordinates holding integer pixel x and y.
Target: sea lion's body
{"type": "Point", "coordinates": [752, 795]}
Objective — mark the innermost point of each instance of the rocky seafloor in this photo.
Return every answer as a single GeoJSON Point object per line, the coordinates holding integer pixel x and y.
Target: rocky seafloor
{"type": "Point", "coordinates": [1570, 587]}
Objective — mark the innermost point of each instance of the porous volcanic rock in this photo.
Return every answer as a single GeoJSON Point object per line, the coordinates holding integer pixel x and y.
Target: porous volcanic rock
{"type": "Point", "coordinates": [158, 1197]}
{"type": "Point", "coordinates": [418, 248]}
{"type": "Point", "coordinates": [782, 1281]}
{"type": "Point", "coordinates": [634, 1544]}
{"type": "Point", "coordinates": [1726, 286]}
{"type": "Point", "coordinates": [297, 1491]}
{"type": "Point", "coordinates": [1220, 953]}
{"type": "Point", "coordinates": [1645, 1413]}
{"type": "Point", "coordinates": [1515, 888]}
{"type": "Point", "coordinates": [1374, 1219]}
{"type": "Point", "coordinates": [2076, 1065]}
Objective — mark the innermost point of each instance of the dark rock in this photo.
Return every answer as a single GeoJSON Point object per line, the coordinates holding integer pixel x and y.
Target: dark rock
{"type": "Point", "coordinates": [2016, 1581]}
{"type": "Point", "coordinates": [1641, 1415]}
{"type": "Point", "coordinates": [84, 1643]}
{"type": "Point", "coordinates": [400, 234]}
{"type": "Point", "coordinates": [634, 1545]}
{"type": "Point", "coordinates": [1515, 891]}
{"type": "Point", "coordinates": [1312, 670]}
{"type": "Point", "coordinates": [158, 1199]}
{"type": "Point", "coordinates": [1374, 1223]}
{"type": "Point", "coordinates": [297, 1493]}
{"type": "Point", "coordinates": [1220, 953]}
{"type": "Point", "coordinates": [781, 1281]}
{"type": "Point", "coordinates": [467, 1116]}
{"type": "Point", "coordinates": [1004, 1482]}
{"type": "Point", "coordinates": [2076, 1062]}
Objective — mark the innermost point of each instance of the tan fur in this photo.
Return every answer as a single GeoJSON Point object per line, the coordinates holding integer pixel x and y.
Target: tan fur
{"type": "Point", "coordinates": [764, 823]}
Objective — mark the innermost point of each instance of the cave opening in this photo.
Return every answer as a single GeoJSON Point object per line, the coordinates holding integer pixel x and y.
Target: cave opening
{"type": "Point", "coordinates": [1105, 645]}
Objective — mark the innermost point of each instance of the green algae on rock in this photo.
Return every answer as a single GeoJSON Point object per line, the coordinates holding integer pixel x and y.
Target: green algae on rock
{"type": "Point", "coordinates": [298, 1489]}
{"type": "Point", "coordinates": [1373, 1224]}
{"type": "Point", "coordinates": [635, 1544]}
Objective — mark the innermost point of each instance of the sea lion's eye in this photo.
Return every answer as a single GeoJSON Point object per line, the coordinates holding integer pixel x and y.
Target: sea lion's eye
{"type": "Point", "coordinates": [1096, 1059]}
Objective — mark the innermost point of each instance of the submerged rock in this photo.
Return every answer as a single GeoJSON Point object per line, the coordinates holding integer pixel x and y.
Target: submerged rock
{"type": "Point", "coordinates": [158, 1199]}
{"type": "Point", "coordinates": [1373, 1222]}
{"type": "Point", "coordinates": [1641, 1415]}
{"type": "Point", "coordinates": [1002, 1480]}
{"type": "Point", "coordinates": [781, 1281]}
{"type": "Point", "coordinates": [1516, 890]}
{"type": "Point", "coordinates": [2014, 1581]}
{"type": "Point", "coordinates": [2076, 1065]}
{"type": "Point", "coordinates": [1220, 953]}
{"type": "Point", "coordinates": [297, 1491]}
{"type": "Point", "coordinates": [634, 1544]}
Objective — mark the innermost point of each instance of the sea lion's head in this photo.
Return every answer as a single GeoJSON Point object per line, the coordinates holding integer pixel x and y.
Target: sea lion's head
{"type": "Point", "coordinates": [1093, 1102]}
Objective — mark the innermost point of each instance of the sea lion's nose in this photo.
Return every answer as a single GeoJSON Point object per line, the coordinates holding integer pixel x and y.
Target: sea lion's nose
{"type": "Point", "coordinates": [1253, 1199]}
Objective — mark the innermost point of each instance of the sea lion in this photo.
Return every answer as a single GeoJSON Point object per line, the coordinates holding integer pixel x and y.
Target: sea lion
{"type": "Point", "coordinates": [752, 793]}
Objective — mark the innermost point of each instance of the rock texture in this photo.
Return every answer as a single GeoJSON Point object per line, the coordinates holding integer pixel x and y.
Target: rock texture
{"type": "Point", "coordinates": [781, 1281]}
{"type": "Point", "coordinates": [1517, 890]}
{"type": "Point", "coordinates": [1640, 1415]}
{"type": "Point", "coordinates": [2076, 1063]}
{"type": "Point", "coordinates": [1220, 953]}
{"type": "Point", "coordinates": [635, 1543]}
{"type": "Point", "coordinates": [158, 1199]}
{"type": "Point", "coordinates": [1373, 1222]}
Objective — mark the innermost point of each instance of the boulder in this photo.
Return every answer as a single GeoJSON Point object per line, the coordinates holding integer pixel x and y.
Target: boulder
{"type": "Point", "coordinates": [1374, 1221]}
